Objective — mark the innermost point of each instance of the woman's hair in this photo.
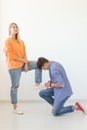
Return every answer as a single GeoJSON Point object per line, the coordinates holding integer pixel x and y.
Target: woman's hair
{"type": "Point", "coordinates": [17, 37]}
{"type": "Point", "coordinates": [41, 61]}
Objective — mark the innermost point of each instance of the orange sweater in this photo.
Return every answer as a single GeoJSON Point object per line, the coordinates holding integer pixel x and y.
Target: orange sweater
{"type": "Point", "coordinates": [12, 50]}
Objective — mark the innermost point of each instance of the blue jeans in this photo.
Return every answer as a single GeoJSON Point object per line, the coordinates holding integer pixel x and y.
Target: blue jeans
{"type": "Point", "coordinates": [47, 94]}
{"type": "Point", "coordinates": [58, 108]}
{"type": "Point", "coordinates": [15, 75]}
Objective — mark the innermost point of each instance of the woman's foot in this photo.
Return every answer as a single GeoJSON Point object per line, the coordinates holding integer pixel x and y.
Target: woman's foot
{"type": "Point", "coordinates": [19, 112]}
{"type": "Point", "coordinates": [16, 111]}
{"type": "Point", "coordinates": [14, 106]}
{"type": "Point", "coordinates": [39, 86]}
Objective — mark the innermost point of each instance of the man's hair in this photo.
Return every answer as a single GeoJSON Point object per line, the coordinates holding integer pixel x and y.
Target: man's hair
{"type": "Point", "coordinates": [41, 61]}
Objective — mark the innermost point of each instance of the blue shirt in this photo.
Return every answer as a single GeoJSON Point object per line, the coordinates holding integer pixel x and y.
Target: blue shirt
{"type": "Point", "coordinates": [58, 75]}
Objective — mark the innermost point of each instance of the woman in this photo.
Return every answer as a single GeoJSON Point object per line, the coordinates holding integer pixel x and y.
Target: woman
{"type": "Point", "coordinates": [17, 62]}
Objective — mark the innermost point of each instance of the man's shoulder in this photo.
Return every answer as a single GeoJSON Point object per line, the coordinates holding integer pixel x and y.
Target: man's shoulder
{"type": "Point", "coordinates": [55, 63]}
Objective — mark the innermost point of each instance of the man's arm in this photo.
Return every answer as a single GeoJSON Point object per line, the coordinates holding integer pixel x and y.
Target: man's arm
{"type": "Point", "coordinates": [56, 85]}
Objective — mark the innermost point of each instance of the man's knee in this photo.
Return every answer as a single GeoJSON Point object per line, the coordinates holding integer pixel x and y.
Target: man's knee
{"type": "Point", "coordinates": [41, 93]}
{"type": "Point", "coordinates": [54, 112]}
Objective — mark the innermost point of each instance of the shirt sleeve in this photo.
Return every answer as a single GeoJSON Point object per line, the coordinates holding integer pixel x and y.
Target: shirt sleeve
{"type": "Point", "coordinates": [57, 77]}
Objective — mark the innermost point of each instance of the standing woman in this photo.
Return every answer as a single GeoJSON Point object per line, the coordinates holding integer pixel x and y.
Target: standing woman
{"type": "Point", "coordinates": [17, 62]}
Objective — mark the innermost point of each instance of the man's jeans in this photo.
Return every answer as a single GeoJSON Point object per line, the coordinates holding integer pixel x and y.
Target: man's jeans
{"type": "Point", "coordinates": [58, 108]}
{"type": "Point", "coordinates": [15, 75]}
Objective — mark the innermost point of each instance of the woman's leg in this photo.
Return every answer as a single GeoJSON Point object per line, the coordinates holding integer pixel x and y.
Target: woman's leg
{"type": "Point", "coordinates": [47, 95]}
{"type": "Point", "coordinates": [38, 73]}
{"type": "Point", "coordinates": [15, 75]}
{"type": "Point", "coordinates": [59, 108]}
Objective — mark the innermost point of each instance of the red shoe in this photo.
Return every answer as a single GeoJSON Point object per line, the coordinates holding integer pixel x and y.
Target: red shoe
{"type": "Point", "coordinates": [80, 108]}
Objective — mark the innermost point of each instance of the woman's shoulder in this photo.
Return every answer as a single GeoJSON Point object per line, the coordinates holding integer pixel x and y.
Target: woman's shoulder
{"type": "Point", "coordinates": [8, 39]}
{"type": "Point", "coordinates": [21, 41]}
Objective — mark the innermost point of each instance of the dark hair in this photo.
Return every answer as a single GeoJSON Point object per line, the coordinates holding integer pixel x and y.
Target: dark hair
{"type": "Point", "coordinates": [41, 61]}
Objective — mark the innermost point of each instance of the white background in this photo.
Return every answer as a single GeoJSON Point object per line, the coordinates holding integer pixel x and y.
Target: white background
{"type": "Point", "coordinates": [55, 29]}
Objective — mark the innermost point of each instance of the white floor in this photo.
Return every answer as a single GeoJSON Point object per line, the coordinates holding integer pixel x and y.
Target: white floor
{"type": "Point", "coordinates": [37, 116]}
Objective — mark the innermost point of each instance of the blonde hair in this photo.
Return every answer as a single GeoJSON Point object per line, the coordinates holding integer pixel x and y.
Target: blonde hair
{"type": "Point", "coordinates": [17, 37]}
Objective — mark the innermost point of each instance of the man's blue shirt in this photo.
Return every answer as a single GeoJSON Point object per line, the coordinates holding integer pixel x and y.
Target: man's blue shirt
{"type": "Point", "coordinates": [58, 75]}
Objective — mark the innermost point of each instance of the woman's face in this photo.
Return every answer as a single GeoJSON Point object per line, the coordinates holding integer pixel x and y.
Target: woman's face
{"type": "Point", "coordinates": [14, 29]}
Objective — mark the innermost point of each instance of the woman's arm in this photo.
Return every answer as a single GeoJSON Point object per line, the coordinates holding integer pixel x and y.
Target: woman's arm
{"type": "Point", "coordinates": [21, 59]}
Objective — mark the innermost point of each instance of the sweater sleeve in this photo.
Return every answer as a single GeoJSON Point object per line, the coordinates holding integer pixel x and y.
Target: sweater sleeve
{"type": "Point", "coordinates": [8, 51]}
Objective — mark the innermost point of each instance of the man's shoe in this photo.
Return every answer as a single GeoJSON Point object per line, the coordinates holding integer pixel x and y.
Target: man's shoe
{"type": "Point", "coordinates": [80, 108]}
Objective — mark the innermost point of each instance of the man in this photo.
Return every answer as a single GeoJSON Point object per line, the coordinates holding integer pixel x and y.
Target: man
{"type": "Point", "coordinates": [58, 88]}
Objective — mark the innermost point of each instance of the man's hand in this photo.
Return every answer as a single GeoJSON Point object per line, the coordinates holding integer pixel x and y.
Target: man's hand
{"type": "Point", "coordinates": [47, 84]}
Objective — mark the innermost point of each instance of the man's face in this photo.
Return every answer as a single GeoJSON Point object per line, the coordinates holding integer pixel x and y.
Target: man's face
{"type": "Point", "coordinates": [45, 66]}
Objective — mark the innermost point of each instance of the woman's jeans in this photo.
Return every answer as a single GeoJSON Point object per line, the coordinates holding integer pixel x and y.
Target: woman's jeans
{"type": "Point", "coordinates": [15, 75]}
{"type": "Point", "coordinates": [58, 108]}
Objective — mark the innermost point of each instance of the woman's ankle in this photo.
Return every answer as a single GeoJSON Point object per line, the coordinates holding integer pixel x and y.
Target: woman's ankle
{"type": "Point", "coordinates": [14, 106]}
{"type": "Point", "coordinates": [37, 84]}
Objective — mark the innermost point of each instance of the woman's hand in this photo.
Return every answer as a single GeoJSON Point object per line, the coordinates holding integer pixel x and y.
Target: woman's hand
{"type": "Point", "coordinates": [26, 67]}
{"type": "Point", "coordinates": [24, 60]}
